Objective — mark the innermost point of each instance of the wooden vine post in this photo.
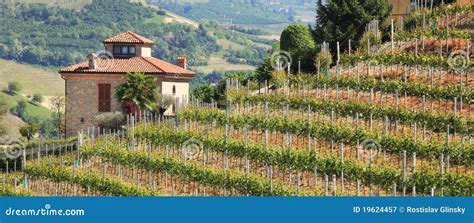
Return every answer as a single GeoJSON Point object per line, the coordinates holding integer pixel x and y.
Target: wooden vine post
{"type": "Point", "coordinates": [392, 34]}
{"type": "Point", "coordinates": [404, 172]}
{"type": "Point", "coordinates": [413, 174]}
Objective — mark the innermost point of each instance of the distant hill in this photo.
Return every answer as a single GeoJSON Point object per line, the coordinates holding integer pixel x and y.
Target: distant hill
{"type": "Point", "coordinates": [53, 35]}
{"type": "Point", "coordinates": [238, 12]}
{"type": "Point", "coordinates": [266, 15]}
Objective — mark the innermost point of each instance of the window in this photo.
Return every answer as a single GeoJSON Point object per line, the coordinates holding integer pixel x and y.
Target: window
{"type": "Point", "coordinates": [124, 50]}
{"type": "Point", "coordinates": [117, 50]}
{"type": "Point", "coordinates": [104, 97]}
{"type": "Point", "coordinates": [174, 90]}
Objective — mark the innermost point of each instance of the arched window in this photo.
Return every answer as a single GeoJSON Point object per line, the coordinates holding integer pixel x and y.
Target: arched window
{"type": "Point", "coordinates": [174, 90]}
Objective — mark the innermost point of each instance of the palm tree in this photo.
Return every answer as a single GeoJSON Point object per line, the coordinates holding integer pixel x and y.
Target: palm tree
{"type": "Point", "coordinates": [137, 92]}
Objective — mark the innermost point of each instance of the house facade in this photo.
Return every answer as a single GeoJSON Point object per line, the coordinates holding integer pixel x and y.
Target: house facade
{"type": "Point", "coordinates": [90, 86]}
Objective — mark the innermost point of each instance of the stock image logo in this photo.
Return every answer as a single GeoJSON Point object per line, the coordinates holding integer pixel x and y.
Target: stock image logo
{"type": "Point", "coordinates": [281, 60]}
{"type": "Point", "coordinates": [11, 148]}
{"type": "Point", "coordinates": [192, 149]}
{"type": "Point", "coordinates": [459, 60]}
{"type": "Point", "coordinates": [16, 59]}
{"type": "Point", "coordinates": [470, 137]}
{"type": "Point", "coordinates": [104, 59]}
{"type": "Point", "coordinates": [372, 144]}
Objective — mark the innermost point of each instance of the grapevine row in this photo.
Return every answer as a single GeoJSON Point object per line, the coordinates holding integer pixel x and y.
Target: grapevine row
{"type": "Point", "coordinates": [93, 181]}
{"type": "Point", "coordinates": [448, 92]}
{"type": "Point", "coordinates": [245, 184]}
{"type": "Point", "coordinates": [458, 153]}
{"type": "Point", "coordinates": [399, 59]}
{"type": "Point", "coordinates": [435, 122]}
{"type": "Point", "coordinates": [434, 34]}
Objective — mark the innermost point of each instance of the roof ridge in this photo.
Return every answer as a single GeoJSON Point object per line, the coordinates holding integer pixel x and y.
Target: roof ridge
{"type": "Point", "coordinates": [153, 64]}
{"type": "Point", "coordinates": [129, 37]}
{"type": "Point", "coordinates": [136, 36]}
{"type": "Point", "coordinates": [139, 37]}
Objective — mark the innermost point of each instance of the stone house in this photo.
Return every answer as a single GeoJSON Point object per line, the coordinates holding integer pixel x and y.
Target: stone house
{"type": "Point", "coordinates": [90, 85]}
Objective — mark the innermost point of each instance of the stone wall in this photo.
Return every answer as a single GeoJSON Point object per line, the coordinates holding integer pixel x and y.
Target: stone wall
{"type": "Point", "coordinates": [82, 102]}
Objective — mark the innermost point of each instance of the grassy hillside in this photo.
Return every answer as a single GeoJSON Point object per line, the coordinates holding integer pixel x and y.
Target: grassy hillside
{"type": "Point", "coordinates": [219, 64]}
{"type": "Point", "coordinates": [33, 79]}
{"type": "Point", "coordinates": [33, 110]}
{"type": "Point", "coordinates": [13, 124]}
{"type": "Point", "coordinates": [38, 114]}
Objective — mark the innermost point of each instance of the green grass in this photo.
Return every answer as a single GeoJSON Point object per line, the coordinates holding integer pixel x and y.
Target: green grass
{"type": "Point", "coordinates": [33, 79]}
{"type": "Point", "coordinates": [157, 20]}
{"type": "Point", "coordinates": [220, 64]}
{"type": "Point", "coordinates": [31, 109]}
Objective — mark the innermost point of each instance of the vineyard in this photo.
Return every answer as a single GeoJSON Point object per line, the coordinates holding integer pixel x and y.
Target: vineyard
{"type": "Point", "coordinates": [394, 121]}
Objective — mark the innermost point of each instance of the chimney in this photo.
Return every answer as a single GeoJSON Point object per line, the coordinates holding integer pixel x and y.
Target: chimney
{"type": "Point", "coordinates": [183, 62]}
{"type": "Point", "coordinates": [92, 61]}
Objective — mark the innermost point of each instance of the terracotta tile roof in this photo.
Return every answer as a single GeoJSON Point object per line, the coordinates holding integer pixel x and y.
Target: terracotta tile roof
{"type": "Point", "coordinates": [134, 64]}
{"type": "Point", "coordinates": [128, 37]}
{"type": "Point", "coordinates": [167, 67]}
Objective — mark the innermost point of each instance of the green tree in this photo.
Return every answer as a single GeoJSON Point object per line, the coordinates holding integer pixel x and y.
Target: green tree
{"type": "Point", "coordinates": [139, 90]}
{"type": "Point", "coordinates": [205, 92]}
{"type": "Point", "coordinates": [263, 73]}
{"type": "Point", "coordinates": [20, 108]}
{"type": "Point", "coordinates": [29, 131]}
{"type": "Point", "coordinates": [14, 88]}
{"type": "Point", "coordinates": [37, 99]}
{"type": "Point", "coordinates": [298, 41]}
{"type": "Point", "coordinates": [58, 107]}
{"type": "Point", "coordinates": [344, 20]}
